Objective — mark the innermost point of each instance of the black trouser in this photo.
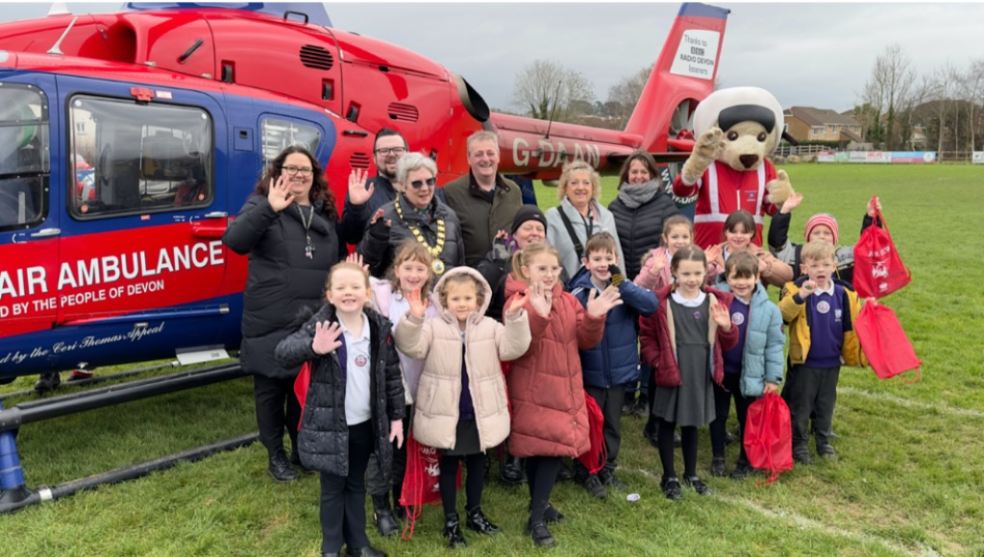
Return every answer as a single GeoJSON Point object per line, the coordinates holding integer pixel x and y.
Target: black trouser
{"type": "Point", "coordinates": [474, 481]}
{"type": "Point", "coordinates": [380, 489]}
{"type": "Point", "coordinates": [276, 408]}
{"type": "Point", "coordinates": [688, 442]}
{"type": "Point", "coordinates": [811, 390]}
{"type": "Point", "coordinates": [343, 498]}
{"type": "Point", "coordinates": [722, 408]}
{"type": "Point", "coordinates": [610, 401]}
{"type": "Point", "coordinates": [541, 475]}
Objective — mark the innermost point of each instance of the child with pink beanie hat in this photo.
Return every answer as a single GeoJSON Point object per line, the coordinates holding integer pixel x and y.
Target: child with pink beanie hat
{"type": "Point", "coordinates": [820, 227]}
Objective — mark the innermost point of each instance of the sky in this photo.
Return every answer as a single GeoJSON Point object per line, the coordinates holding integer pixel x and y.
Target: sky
{"type": "Point", "coordinates": [807, 54]}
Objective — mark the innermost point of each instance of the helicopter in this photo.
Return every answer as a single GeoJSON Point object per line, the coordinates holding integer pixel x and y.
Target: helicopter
{"type": "Point", "coordinates": [128, 139]}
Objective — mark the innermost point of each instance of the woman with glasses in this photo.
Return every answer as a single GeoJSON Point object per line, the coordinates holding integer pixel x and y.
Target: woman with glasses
{"type": "Point", "coordinates": [417, 214]}
{"type": "Point", "coordinates": [292, 233]}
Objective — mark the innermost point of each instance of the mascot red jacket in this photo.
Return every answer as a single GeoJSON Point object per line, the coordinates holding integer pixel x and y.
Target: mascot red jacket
{"type": "Point", "coordinates": [736, 128]}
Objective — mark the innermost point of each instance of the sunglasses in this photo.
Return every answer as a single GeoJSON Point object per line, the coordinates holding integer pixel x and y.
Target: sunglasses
{"type": "Point", "coordinates": [417, 184]}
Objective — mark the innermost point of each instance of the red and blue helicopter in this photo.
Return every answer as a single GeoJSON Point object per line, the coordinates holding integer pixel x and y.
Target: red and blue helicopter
{"type": "Point", "coordinates": [128, 139]}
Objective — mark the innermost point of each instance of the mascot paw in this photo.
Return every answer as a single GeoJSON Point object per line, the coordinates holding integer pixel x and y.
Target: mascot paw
{"type": "Point", "coordinates": [779, 189]}
{"type": "Point", "coordinates": [707, 149]}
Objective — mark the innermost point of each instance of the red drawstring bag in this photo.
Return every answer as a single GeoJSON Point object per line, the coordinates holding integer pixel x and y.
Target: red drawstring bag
{"type": "Point", "coordinates": [769, 436]}
{"type": "Point", "coordinates": [884, 342]}
{"type": "Point", "coordinates": [594, 460]}
{"type": "Point", "coordinates": [420, 481]}
{"type": "Point", "coordinates": [878, 269]}
{"type": "Point", "coordinates": [301, 384]}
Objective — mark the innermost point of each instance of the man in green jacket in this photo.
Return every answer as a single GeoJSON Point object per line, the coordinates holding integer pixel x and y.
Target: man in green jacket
{"type": "Point", "coordinates": [484, 200]}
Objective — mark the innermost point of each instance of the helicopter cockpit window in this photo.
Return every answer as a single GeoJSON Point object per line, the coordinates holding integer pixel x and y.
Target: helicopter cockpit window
{"type": "Point", "coordinates": [24, 157]}
{"type": "Point", "coordinates": [138, 158]}
{"type": "Point", "coordinates": [279, 133]}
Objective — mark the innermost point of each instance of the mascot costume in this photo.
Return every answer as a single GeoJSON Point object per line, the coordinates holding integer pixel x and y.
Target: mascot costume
{"type": "Point", "coordinates": [736, 128]}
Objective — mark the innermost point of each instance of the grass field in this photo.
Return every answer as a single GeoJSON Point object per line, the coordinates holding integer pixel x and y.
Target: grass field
{"type": "Point", "coordinates": [910, 480]}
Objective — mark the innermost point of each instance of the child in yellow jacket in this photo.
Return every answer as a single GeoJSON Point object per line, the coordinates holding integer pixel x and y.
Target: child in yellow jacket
{"type": "Point", "coordinates": [820, 312]}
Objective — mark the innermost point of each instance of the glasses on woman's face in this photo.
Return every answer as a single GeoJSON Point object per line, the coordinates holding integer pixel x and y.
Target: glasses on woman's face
{"type": "Point", "coordinates": [292, 170]}
{"type": "Point", "coordinates": [417, 184]}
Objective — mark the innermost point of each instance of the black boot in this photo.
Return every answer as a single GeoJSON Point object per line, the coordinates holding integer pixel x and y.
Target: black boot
{"type": "Point", "coordinates": [279, 467]}
{"type": "Point", "coordinates": [452, 531]}
{"type": "Point", "coordinates": [386, 523]}
{"type": "Point", "coordinates": [511, 472]}
{"type": "Point", "coordinates": [47, 382]}
{"type": "Point", "coordinates": [478, 522]}
{"type": "Point", "coordinates": [540, 534]}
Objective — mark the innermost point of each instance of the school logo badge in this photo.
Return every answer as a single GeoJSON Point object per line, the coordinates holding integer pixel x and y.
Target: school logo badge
{"type": "Point", "coordinates": [361, 360]}
{"type": "Point", "coordinates": [823, 306]}
{"type": "Point", "coordinates": [738, 318]}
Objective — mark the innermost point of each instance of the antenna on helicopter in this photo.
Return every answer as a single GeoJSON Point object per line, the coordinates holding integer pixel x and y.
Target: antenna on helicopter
{"type": "Point", "coordinates": [58, 8]}
{"type": "Point", "coordinates": [553, 112]}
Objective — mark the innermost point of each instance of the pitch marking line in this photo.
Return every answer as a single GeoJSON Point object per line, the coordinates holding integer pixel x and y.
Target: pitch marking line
{"type": "Point", "coordinates": [803, 522]}
{"type": "Point", "coordinates": [943, 408]}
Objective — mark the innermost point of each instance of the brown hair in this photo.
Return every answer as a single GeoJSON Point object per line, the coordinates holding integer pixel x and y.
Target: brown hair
{"type": "Point", "coordinates": [742, 264]}
{"type": "Point", "coordinates": [522, 257]}
{"type": "Point", "coordinates": [646, 159]}
{"type": "Point", "coordinates": [319, 186]}
{"type": "Point", "coordinates": [602, 241]}
{"type": "Point", "coordinates": [578, 166]}
{"type": "Point", "coordinates": [818, 250]}
{"type": "Point", "coordinates": [742, 217]}
{"type": "Point", "coordinates": [677, 220]}
{"type": "Point", "coordinates": [687, 253]}
{"type": "Point", "coordinates": [461, 278]}
{"type": "Point", "coordinates": [411, 250]}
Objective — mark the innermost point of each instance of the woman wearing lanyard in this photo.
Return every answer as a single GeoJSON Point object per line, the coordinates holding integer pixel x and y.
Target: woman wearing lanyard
{"type": "Point", "coordinates": [579, 215]}
{"type": "Point", "coordinates": [291, 231]}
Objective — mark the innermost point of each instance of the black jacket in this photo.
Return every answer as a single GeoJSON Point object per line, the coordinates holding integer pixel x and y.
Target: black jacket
{"type": "Point", "coordinates": [282, 282]}
{"type": "Point", "coordinates": [640, 229]}
{"type": "Point", "coordinates": [495, 267]}
{"type": "Point", "coordinates": [379, 244]}
{"type": "Point", "coordinates": [323, 438]}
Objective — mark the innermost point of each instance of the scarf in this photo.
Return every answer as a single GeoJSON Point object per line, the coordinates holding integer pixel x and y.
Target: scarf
{"type": "Point", "coordinates": [634, 196]}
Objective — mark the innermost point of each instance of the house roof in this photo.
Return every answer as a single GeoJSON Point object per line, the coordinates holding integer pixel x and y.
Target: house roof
{"type": "Point", "coordinates": [820, 116]}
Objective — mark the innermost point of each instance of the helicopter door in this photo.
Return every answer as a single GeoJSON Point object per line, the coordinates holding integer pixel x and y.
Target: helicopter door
{"type": "Point", "coordinates": [29, 228]}
{"type": "Point", "coordinates": [145, 239]}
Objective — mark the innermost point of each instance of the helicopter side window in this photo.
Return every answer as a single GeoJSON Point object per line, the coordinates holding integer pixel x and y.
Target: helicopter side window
{"type": "Point", "coordinates": [138, 158]}
{"type": "Point", "coordinates": [280, 133]}
{"type": "Point", "coordinates": [24, 157]}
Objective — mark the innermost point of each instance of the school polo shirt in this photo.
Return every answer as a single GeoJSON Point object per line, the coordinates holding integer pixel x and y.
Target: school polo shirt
{"type": "Point", "coordinates": [357, 381]}
{"type": "Point", "coordinates": [739, 317]}
{"type": "Point", "coordinates": [826, 319]}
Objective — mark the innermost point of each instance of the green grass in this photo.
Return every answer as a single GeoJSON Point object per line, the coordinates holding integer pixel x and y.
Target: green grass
{"type": "Point", "coordinates": [909, 481]}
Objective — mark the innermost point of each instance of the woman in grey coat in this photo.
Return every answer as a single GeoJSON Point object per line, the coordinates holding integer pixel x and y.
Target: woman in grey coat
{"type": "Point", "coordinates": [291, 231]}
{"type": "Point", "coordinates": [579, 216]}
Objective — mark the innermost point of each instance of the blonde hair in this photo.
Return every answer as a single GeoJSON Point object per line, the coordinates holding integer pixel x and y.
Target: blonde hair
{"type": "Point", "coordinates": [578, 166]}
{"type": "Point", "coordinates": [411, 250]}
{"type": "Point", "coordinates": [342, 265]}
{"type": "Point", "coordinates": [677, 220]}
{"type": "Point", "coordinates": [523, 257]}
{"type": "Point", "coordinates": [461, 278]}
{"type": "Point", "coordinates": [818, 250]}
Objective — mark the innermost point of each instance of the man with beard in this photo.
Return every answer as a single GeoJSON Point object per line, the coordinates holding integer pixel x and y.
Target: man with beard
{"type": "Point", "coordinates": [387, 150]}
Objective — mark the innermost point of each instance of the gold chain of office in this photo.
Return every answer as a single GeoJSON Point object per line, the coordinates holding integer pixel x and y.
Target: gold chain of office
{"type": "Point", "coordinates": [437, 265]}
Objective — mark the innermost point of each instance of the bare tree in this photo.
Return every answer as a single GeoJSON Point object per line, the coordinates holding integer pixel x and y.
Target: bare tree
{"type": "Point", "coordinates": [887, 89]}
{"type": "Point", "coordinates": [624, 95]}
{"type": "Point", "coordinates": [974, 86]}
{"type": "Point", "coordinates": [548, 90]}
